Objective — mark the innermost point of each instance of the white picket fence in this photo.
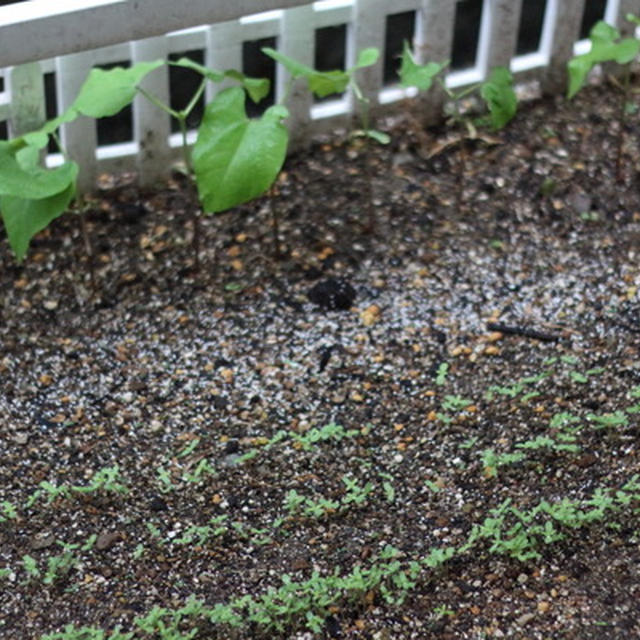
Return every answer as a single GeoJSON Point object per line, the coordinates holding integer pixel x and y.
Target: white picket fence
{"type": "Point", "coordinates": [69, 37]}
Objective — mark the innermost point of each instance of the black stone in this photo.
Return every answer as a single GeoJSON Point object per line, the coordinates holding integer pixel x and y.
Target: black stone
{"type": "Point", "coordinates": [332, 294]}
{"type": "Point", "coordinates": [157, 504]}
{"type": "Point", "coordinates": [332, 625]}
{"type": "Point", "coordinates": [220, 402]}
{"type": "Point", "coordinates": [232, 446]}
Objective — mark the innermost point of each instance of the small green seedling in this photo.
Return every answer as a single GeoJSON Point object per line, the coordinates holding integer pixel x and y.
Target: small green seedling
{"type": "Point", "coordinates": [608, 420]}
{"type": "Point", "coordinates": [416, 75]}
{"type": "Point", "coordinates": [492, 461]}
{"type": "Point", "coordinates": [7, 511]}
{"type": "Point", "coordinates": [441, 373]}
{"type": "Point", "coordinates": [443, 611]}
{"type": "Point", "coordinates": [608, 46]}
{"type": "Point", "coordinates": [104, 481]}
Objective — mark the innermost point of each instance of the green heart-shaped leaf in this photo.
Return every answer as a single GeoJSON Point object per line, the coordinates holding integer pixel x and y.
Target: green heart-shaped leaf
{"type": "Point", "coordinates": [21, 177]}
{"type": "Point", "coordinates": [325, 83]}
{"type": "Point", "coordinates": [24, 217]}
{"type": "Point", "coordinates": [105, 93]}
{"type": "Point", "coordinates": [236, 158]}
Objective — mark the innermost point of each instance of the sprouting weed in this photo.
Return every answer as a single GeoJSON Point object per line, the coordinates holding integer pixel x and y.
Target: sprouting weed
{"type": "Point", "coordinates": [469, 442]}
{"type": "Point", "coordinates": [456, 403]}
{"type": "Point", "coordinates": [492, 461]}
{"type": "Point", "coordinates": [608, 420]}
{"type": "Point", "coordinates": [7, 511]}
{"type": "Point", "coordinates": [189, 448]}
{"type": "Point", "coordinates": [443, 611]}
{"type": "Point", "coordinates": [441, 373]}
{"type": "Point", "coordinates": [105, 480]}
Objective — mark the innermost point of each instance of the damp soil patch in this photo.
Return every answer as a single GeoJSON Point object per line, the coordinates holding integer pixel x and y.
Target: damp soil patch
{"type": "Point", "coordinates": [428, 429]}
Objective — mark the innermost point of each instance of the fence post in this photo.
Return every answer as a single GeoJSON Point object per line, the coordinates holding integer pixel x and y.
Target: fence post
{"type": "Point", "coordinates": [433, 43]}
{"type": "Point", "coordinates": [27, 109]}
{"type": "Point", "coordinates": [79, 137]}
{"type": "Point", "coordinates": [368, 30]}
{"type": "Point", "coordinates": [151, 125]}
{"type": "Point", "coordinates": [499, 33]}
{"type": "Point", "coordinates": [297, 40]}
{"type": "Point", "coordinates": [565, 30]}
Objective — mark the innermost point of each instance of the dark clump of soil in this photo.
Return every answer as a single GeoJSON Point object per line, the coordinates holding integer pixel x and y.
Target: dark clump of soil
{"type": "Point", "coordinates": [204, 434]}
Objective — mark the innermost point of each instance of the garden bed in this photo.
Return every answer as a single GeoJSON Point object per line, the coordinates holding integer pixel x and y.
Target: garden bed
{"type": "Point", "coordinates": [452, 455]}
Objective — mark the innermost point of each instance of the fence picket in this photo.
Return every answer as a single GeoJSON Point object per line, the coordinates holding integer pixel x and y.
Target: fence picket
{"type": "Point", "coordinates": [27, 98]}
{"type": "Point", "coordinates": [297, 40]}
{"type": "Point", "coordinates": [139, 30]}
{"type": "Point", "coordinates": [80, 137]}
{"type": "Point", "coordinates": [566, 17]}
{"type": "Point", "coordinates": [223, 51]}
{"type": "Point", "coordinates": [368, 30]}
{"type": "Point", "coordinates": [499, 33]}
{"type": "Point", "coordinates": [434, 43]}
{"type": "Point", "coordinates": [151, 125]}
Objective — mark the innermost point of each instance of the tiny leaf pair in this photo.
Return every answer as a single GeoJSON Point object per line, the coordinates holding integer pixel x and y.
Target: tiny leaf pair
{"type": "Point", "coordinates": [416, 75]}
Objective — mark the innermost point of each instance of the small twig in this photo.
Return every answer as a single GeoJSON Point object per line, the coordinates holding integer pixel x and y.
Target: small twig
{"type": "Point", "coordinates": [524, 332]}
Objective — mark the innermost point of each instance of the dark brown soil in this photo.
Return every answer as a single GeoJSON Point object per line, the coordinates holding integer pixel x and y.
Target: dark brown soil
{"type": "Point", "coordinates": [526, 265]}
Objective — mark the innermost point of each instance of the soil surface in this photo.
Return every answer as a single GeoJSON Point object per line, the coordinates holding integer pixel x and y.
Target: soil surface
{"type": "Point", "coordinates": [365, 400]}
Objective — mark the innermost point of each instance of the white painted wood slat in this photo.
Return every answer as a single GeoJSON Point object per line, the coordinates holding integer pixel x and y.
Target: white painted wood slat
{"type": "Point", "coordinates": [297, 40]}
{"type": "Point", "coordinates": [368, 30]}
{"type": "Point", "coordinates": [27, 107]}
{"type": "Point", "coordinates": [38, 30]}
{"type": "Point", "coordinates": [151, 125]}
{"type": "Point", "coordinates": [434, 43]}
{"type": "Point", "coordinates": [79, 137]}
{"type": "Point", "coordinates": [499, 33]}
{"type": "Point", "coordinates": [224, 51]}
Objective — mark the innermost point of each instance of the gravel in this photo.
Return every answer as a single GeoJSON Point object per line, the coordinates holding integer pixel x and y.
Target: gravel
{"type": "Point", "coordinates": [215, 394]}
